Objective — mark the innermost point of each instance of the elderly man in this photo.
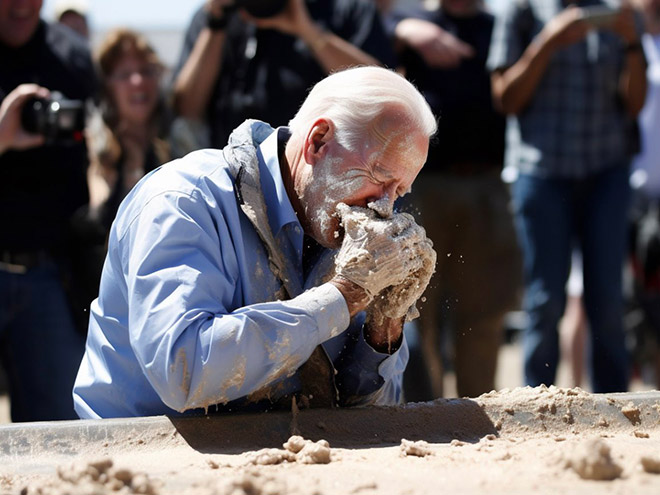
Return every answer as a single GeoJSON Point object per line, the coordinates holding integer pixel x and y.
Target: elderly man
{"type": "Point", "coordinates": [239, 278]}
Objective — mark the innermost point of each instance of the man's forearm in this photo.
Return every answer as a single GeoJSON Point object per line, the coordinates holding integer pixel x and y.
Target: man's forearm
{"type": "Point", "coordinates": [333, 52]}
{"type": "Point", "coordinates": [633, 79]}
{"type": "Point", "coordinates": [514, 87]}
{"type": "Point", "coordinates": [194, 85]}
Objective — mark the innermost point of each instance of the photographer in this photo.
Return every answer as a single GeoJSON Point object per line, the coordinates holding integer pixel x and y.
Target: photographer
{"type": "Point", "coordinates": [258, 59]}
{"type": "Point", "coordinates": [43, 181]}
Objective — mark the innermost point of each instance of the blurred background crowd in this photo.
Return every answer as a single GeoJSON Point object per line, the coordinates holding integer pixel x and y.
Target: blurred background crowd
{"type": "Point", "coordinates": [541, 190]}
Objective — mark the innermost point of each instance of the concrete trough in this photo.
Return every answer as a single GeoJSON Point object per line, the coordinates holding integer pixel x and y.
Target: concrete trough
{"type": "Point", "coordinates": [37, 449]}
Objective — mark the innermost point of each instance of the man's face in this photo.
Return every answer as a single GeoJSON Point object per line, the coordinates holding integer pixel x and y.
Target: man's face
{"type": "Point", "coordinates": [18, 20]}
{"type": "Point", "coordinates": [381, 172]}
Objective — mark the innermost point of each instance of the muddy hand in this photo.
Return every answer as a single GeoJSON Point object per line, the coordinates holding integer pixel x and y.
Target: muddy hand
{"type": "Point", "coordinates": [398, 301]}
{"type": "Point", "coordinates": [377, 253]}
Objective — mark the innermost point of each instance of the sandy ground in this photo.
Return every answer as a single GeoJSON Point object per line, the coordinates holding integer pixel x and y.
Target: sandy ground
{"type": "Point", "coordinates": [517, 440]}
{"type": "Point", "coordinates": [542, 440]}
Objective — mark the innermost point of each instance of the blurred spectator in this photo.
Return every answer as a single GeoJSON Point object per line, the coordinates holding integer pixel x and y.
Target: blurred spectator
{"type": "Point", "coordinates": [646, 166]}
{"type": "Point", "coordinates": [126, 140]}
{"type": "Point", "coordinates": [646, 182]}
{"type": "Point", "coordinates": [43, 183]}
{"type": "Point", "coordinates": [573, 326]}
{"type": "Point", "coordinates": [73, 13]}
{"type": "Point", "coordinates": [572, 88]}
{"type": "Point", "coordinates": [462, 202]}
{"type": "Point", "coordinates": [236, 66]}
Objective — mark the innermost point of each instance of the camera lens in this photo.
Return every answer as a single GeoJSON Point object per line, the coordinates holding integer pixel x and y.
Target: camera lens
{"type": "Point", "coordinates": [59, 120]}
{"type": "Point", "coordinates": [31, 116]}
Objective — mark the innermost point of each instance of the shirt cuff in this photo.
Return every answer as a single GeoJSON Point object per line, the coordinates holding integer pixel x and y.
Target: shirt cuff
{"type": "Point", "coordinates": [386, 365]}
{"type": "Point", "coordinates": [328, 306]}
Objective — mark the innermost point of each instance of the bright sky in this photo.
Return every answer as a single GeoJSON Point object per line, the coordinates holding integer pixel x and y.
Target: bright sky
{"type": "Point", "coordinates": [149, 17]}
{"type": "Point", "coordinates": [152, 14]}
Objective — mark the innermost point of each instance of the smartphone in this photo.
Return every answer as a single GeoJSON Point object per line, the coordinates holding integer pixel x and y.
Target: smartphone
{"type": "Point", "coordinates": [599, 16]}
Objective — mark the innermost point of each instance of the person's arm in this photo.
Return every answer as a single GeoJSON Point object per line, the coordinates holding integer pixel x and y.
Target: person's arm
{"type": "Point", "coordinates": [438, 48]}
{"type": "Point", "coordinates": [632, 83]}
{"type": "Point", "coordinates": [193, 344]}
{"type": "Point", "coordinates": [331, 51]}
{"type": "Point", "coordinates": [196, 79]}
{"type": "Point", "coordinates": [12, 135]}
{"type": "Point", "coordinates": [513, 87]}
{"type": "Point", "coordinates": [385, 284]}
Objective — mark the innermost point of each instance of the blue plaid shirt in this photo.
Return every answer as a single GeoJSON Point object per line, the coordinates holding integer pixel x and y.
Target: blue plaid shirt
{"type": "Point", "coordinates": [575, 124]}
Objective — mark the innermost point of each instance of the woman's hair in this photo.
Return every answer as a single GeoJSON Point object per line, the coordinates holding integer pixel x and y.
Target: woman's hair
{"type": "Point", "coordinates": [115, 46]}
{"type": "Point", "coordinates": [119, 43]}
{"type": "Point", "coordinates": [105, 150]}
{"type": "Point", "coordinates": [356, 99]}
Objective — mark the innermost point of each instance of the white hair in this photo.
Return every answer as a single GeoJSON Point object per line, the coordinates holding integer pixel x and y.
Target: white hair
{"type": "Point", "coordinates": [355, 99]}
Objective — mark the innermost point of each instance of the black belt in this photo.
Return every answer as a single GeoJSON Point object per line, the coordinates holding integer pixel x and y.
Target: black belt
{"type": "Point", "coordinates": [21, 261]}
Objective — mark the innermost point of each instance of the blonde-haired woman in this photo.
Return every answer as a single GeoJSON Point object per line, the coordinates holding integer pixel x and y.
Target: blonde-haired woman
{"type": "Point", "coordinates": [126, 140]}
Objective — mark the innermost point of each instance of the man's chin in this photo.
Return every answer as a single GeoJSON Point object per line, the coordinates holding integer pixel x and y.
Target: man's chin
{"type": "Point", "coordinates": [330, 240]}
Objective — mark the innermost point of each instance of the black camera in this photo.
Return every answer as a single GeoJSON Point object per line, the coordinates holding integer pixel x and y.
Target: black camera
{"type": "Point", "coordinates": [262, 8]}
{"type": "Point", "coordinates": [57, 119]}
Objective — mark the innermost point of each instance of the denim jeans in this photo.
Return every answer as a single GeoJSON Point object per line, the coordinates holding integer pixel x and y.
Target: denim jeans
{"type": "Point", "coordinates": [552, 216]}
{"type": "Point", "coordinates": [39, 344]}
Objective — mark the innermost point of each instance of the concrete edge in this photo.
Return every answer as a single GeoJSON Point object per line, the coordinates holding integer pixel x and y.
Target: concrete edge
{"type": "Point", "coordinates": [438, 421]}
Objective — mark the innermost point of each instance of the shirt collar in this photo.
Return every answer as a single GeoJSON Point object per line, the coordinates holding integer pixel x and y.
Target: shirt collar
{"type": "Point", "coordinates": [279, 209]}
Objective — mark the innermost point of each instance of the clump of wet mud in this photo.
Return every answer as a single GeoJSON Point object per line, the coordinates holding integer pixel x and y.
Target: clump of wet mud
{"type": "Point", "coordinates": [97, 477]}
{"type": "Point", "coordinates": [296, 449]}
{"type": "Point", "coordinates": [412, 257]}
{"type": "Point", "coordinates": [592, 461]}
{"type": "Point", "coordinates": [420, 448]}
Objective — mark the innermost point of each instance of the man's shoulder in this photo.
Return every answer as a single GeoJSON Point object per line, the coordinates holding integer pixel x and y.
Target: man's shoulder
{"type": "Point", "coordinates": [66, 41]}
{"type": "Point", "coordinates": [185, 174]}
{"type": "Point", "coordinates": [202, 177]}
{"type": "Point", "coordinates": [72, 50]}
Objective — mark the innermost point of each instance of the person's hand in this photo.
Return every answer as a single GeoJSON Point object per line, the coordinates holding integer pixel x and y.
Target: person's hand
{"type": "Point", "coordinates": [566, 28]}
{"type": "Point", "coordinates": [438, 48]}
{"type": "Point", "coordinates": [624, 24]}
{"type": "Point", "coordinates": [294, 19]}
{"type": "Point", "coordinates": [216, 8]}
{"type": "Point", "coordinates": [399, 301]}
{"type": "Point", "coordinates": [12, 134]}
{"type": "Point", "coordinates": [378, 253]}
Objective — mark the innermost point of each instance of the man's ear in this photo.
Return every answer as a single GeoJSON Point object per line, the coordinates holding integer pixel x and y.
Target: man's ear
{"type": "Point", "coordinates": [319, 135]}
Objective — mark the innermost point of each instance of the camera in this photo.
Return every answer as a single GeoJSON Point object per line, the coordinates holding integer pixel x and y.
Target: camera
{"type": "Point", "coordinates": [262, 8]}
{"type": "Point", "coordinates": [58, 119]}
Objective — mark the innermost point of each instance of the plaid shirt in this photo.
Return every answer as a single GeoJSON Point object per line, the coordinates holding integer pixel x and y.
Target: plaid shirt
{"type": "Point", "coordinates": [575, 123]}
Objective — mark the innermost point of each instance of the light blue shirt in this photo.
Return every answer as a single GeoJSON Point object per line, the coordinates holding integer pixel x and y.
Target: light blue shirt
{"type": "Point", "coordinates": [187, 315]}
